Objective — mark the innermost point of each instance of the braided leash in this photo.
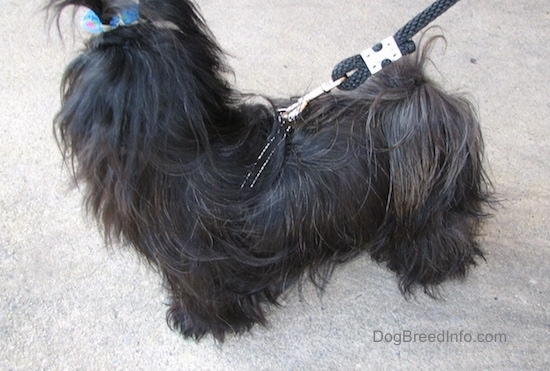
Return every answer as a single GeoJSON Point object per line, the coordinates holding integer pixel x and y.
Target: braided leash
{"type": "Point", "coordinates": [358, 69]}
{"type": "Point", "coordinates": [354, 71]}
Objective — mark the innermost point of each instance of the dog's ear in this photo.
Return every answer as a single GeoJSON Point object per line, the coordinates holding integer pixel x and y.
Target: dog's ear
{"type": "Point", "coordinates": [129, 87]}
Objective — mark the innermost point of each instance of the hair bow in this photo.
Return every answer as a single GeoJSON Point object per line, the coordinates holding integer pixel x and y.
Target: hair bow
{"type": "Point", "coordinates": [91, 22]}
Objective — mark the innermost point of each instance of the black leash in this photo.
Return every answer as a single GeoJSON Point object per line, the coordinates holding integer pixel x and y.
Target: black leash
{"type": "Point", "coordinates": [355, 70]}
{"type": "Point", "coordinates": [358, 68]}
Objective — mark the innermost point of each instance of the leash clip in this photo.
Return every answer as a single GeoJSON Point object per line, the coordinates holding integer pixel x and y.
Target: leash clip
{"type": "Point", "coordinates": [290, 113]}
{"type": "Point", "coordinates": [381, 54]}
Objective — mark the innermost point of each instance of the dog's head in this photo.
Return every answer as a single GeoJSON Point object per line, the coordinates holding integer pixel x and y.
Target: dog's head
{"type": "Point", "coordinates": [153, 83]}
{"type": "Point", "coordinates": [139, 104]}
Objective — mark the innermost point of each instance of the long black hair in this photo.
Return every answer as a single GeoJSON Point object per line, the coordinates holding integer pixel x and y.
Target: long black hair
{"type": "Point", "coordinates": [165, 146]}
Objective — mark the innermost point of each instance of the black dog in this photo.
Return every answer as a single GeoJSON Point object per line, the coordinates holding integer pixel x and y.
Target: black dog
{"type": "Point", "coordinates": [233, 204]}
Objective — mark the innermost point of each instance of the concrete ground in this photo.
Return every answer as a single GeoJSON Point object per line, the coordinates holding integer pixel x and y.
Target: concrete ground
{"type": "Point", "coordinates": [67, 302]}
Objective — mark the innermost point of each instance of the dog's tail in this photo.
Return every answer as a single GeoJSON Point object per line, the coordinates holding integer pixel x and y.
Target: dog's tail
{"type": "Point", "coordinates": [437, 185]}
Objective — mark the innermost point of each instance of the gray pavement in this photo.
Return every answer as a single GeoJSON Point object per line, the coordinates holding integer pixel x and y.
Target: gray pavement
{"type": "Point", "coordinates": [67, 302]}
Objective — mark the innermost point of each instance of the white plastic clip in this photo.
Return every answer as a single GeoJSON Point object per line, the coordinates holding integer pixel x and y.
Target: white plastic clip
{"type": "Point", "coordinates": [386, 50]}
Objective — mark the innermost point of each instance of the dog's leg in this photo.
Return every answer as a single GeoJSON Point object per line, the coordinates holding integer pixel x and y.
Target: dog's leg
{"type": "Point", "coordinates": [202, 302]}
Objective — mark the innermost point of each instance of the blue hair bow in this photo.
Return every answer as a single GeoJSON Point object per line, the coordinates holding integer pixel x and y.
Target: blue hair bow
{"type": "Point", "coordinates": [91, 22]}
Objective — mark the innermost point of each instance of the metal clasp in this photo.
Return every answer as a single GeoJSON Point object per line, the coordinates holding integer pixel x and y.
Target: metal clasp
{"type": "Point", "coordinates": [290, 113]}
